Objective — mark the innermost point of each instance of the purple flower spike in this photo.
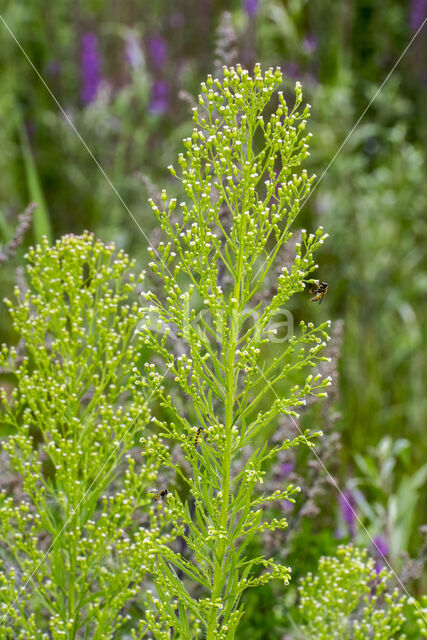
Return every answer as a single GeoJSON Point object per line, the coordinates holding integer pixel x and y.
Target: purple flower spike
{"type": "Point", "coordinates": [381, 550]}
{"type": "Point", "coordinates": [293, 70]}
{"type": "Point", "coordinates": [287, 506]}
{"type": "Point", "coordinates": [286, 469]}
{"type": "Point", "coordinates": [159, 101]}
{"type": "Point", "coordinates": [90, 67]}
{"type": "Point", "coordinates": [418, 13]}
{"type": "Point", "coordinates": [348, 511]}
{"type": "Point", "coordinates": [381, 546]}
{"type": "Point", "coordinates": [158, 50]}
{"type": "Point", "coordinates": [310, 43]}
{"type": "Point", "coordinates": [251, 7]}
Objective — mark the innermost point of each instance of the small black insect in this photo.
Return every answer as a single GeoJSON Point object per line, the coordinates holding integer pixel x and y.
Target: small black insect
{"type": "Point", "coordinates": [319, 291]}
{"type": "Point", "coordinates": [197, 438]}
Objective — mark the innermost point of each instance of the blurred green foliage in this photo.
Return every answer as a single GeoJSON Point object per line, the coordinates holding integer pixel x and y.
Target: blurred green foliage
{"type": "Point", "coordinates": [387, 505]}
{"type": "Point", "coordinates": [371, 198]}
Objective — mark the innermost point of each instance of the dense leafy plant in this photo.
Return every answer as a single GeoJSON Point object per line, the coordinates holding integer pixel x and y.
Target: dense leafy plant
{"type": "Point", "coordinates": [75, 543]}
{"type": "Point", "coordinates": [348, 598]}
{"type": "Point", "coordinates": [240, 172]}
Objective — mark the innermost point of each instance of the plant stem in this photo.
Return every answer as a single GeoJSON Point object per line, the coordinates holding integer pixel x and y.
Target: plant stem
{"type": "Point", "coordinates": [220, 564]}
{"type": "Point", "coordinates": [219, 571]}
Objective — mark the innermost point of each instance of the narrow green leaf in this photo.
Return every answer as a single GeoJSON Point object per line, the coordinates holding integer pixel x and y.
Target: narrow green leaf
{"type": "Point", "coordinates": [41, 220]}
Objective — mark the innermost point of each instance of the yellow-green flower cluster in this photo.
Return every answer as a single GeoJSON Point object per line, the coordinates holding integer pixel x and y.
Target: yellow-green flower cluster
{"type": "Point", "coordinates": [243, 187]}
{"type": "Point", "coordinates": [73, 550]}
{"type": "Point", "coordinates": [348, 599]}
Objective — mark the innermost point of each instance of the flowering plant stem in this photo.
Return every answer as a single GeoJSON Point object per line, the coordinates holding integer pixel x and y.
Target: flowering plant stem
{"type": "Point", "coordinates": [73, 494]}
{"type": "Point", "coordinates": [220, 565]}
{"type": "Point", "coordinates": [211, 325]}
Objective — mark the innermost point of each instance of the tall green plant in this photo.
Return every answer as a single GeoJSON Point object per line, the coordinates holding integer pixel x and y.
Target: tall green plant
{"type": "Point", "coordinates": [74, 537]}
{"type": "Point", "coordinates": [241, 175]}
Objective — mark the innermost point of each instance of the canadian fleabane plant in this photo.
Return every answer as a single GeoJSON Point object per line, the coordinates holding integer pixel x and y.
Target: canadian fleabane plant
{"type": "Point", "coordinates": [241, 176]}
{"type": "Point", "coordinates": [75, 497]}
{"type": "Point", "coordinates": [349, 599]}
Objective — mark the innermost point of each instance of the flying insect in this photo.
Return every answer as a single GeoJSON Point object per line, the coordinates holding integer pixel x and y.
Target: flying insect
{"type": "Point", "coordinates": [319, 290]}
{"type": "Point", "coordinates": [161, 494]}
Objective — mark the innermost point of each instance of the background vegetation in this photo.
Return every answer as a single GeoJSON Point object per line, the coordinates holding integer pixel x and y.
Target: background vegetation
{"type": "Point", "coordinates": [125, 75]}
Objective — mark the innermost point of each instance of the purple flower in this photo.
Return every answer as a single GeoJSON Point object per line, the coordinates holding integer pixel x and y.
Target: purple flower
{"type": "Point", "coordinates": [348, 505]}
{"type": "Point", "coordinates": [418, 13]}
{"type": "Point", "coordinates": [293, 70]}
{"type": "Point", "coordinates": [381, 546]}
{"type": "Point", "coordinates": [158, 50]}
{"type": "Point", "coordinates": [251, 7]}
{"type": "Point", "coordinates": [310, 43]}
{"type": "Point", "coordinates": [381, 550]}
{"type": "Point", "coordinates": [159, 100]}
{"type": "Point", "coordinates": [90, 59]}
{"type": "Point", "coordinates": [286, 505]}
{"type": "Point", "coordinates": [286, 468]}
